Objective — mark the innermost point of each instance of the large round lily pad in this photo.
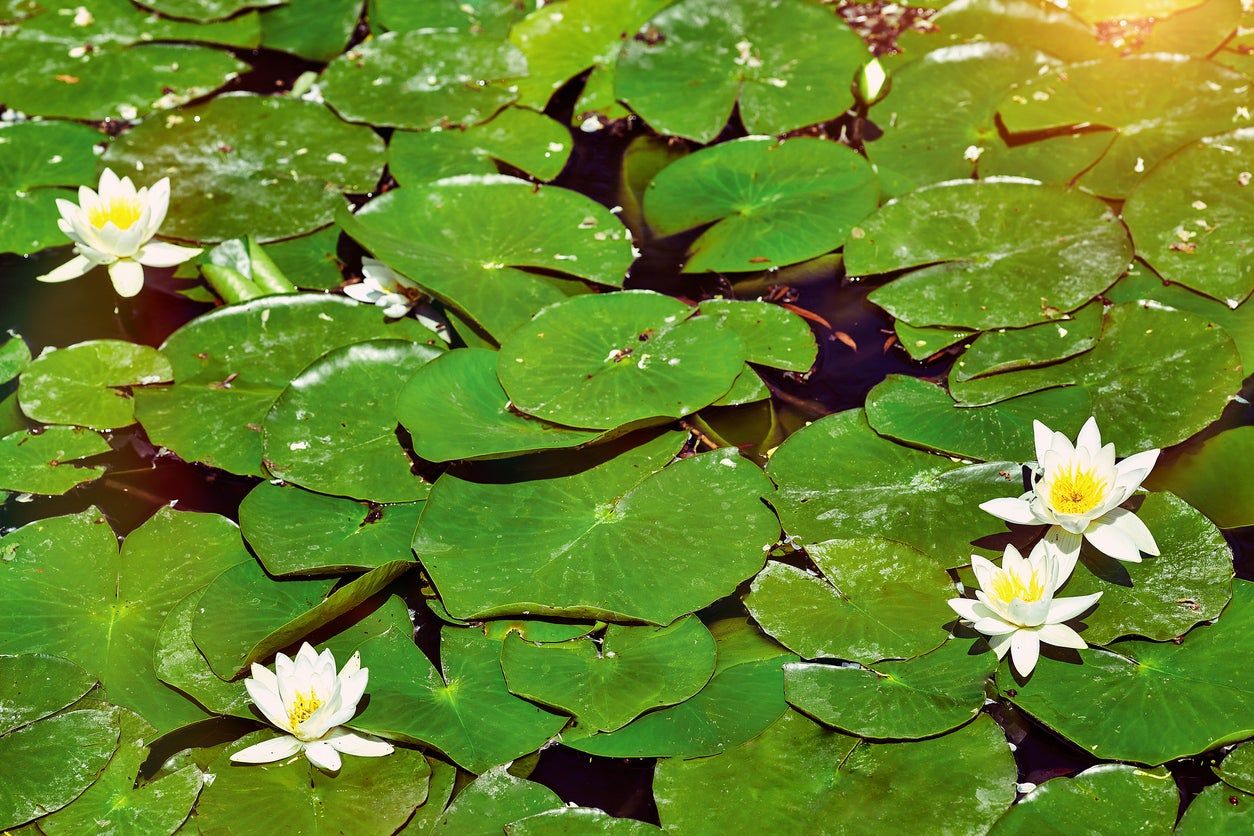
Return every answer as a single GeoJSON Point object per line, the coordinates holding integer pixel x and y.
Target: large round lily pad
{"type": "Point", "coordinates": [1217, 809]}
{"type": "Point", "coordinates": [1007, 349]}
{"type": "Point", "coordinates": [625, 540]}
{"type": "Point", "coordinates": [1104, 799]}
{"type": "Point", "coordinates": [35, 158]}
{"type": "Point", "coordinates": [1237, 769]}
{"type": "Point", "coordinates": [88, 384]}
{"type": "Point", "coordinates": [610, 360]}
{"type": "Point", "coordinates": [522, 138]}
{"type": "Point", "coordinates": [1210, 476]}
{"type": "Point", "coordinates": [493, 800]}
{"type": "Point", "coordinates": [44, 462]}
{"type": "Point", "coordinates": [239, 165]}
{"type": "Point", "coordinates": [770, 204]}
{"type": "Point", "coordinates": [35, 685]}
{"type": "Point", "coordinates": [787, 63]}
{"type": "Point", "coordinates": [990, 254]}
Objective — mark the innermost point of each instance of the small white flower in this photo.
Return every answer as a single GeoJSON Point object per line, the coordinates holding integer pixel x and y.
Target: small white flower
{"type": "Point", "coordinates": [871, 81]}
{"type": "Point", "coordinates": [383, 286]}
{"type": "Point", "coordinates": [307, 699]}
{"type": "Point", "coordinates": [1016, 608]}
{"type": "Point", "coordinates": [115, 228]}
{"type": "Point", "coordinates": [1077, 491]}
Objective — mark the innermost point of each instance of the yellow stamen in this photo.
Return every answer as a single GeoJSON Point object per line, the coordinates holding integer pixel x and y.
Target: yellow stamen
{"type": "Point", "coordinates": [1076, 491]}
{"type": "Point", "coordinates": [123, 213]}
{"type": "Point", "coordinates": [1008, 587]}
{"type": "Point", "coordinates": [302, 709]}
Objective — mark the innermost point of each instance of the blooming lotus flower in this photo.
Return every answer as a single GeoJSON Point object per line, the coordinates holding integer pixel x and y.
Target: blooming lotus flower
{"type": "Point", "coordinates": [1077, 491]}
{"type": "Point", "coordinates": [115, 227]}
{"type": "Point", "coordinates": [306, 698]}
{"type": "Point", "coordinates": [1016, 608]}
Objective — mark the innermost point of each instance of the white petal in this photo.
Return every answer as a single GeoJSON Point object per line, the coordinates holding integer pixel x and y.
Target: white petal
{"type": "Point", "coordinates": [361, 292]}
{"type": "Point", "coordinates": [1090, 438]}
{"type": "Point", "coordinates": [1044, 437]}
{"type": "Point", "coordinates": [1065, 609]}
{"type": "Point", "coordinates": [1060, 635]}
{"type": "Point", "coordinates": [985, 571]}
{"type": "Point", "coordinates": [1135, 529]}
{"type": "Point", "coordinates": [1000, 644]}
{"type": "Point", "coordinates": [72, 269]}
{"type": "Point", "coordinates": [109, 185]}
{"type": "Point", "coordinates": [161, 254]}
{"type": "Point", "coordinates": [352, 687]}
{"type": "Point", "coordinates": [1011, 509]}
{"type": "Point", "coordinates": [268, 751]}
{"type": "Point", "coordinates": [966, 608]}
{"type": "Point", "coordinates": [323, 755]}
{"type": "Point", "coordinates": [396, 310]}
{"type": "Point", "coordinates": [1025, 649]}
{"type": "Point", "coordinates": [352, 666]}
{"type": "Point", "coordinates": [1141, 461]}
{"type": "Point", "coordinates": [1109, 539]}
{"type": "Point", "coordinates": [993, 627]}
{"type": "Point", "coordinates": [158, 201]}
{"type": "Point", "coordinates": [127, 277]}
{"type": "Point", "coordinates": [363, 746]}
{"type": "Point", "coordinates": [1064, 547]}
{"type": "Point", "coordinates": [268, 702]}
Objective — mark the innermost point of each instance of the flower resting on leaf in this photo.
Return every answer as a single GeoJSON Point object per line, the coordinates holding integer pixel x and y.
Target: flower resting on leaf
{"type": "Point", "coordinates": [383, 286]}
{"type": "Point", "coordinates": [115, 228]}
{"type": "Point", "coordinates": [1077, 491]}
{"type": "Point", "coordinates": [306, 698]}
{"type": "Point", "coordinates": [1015, 605]}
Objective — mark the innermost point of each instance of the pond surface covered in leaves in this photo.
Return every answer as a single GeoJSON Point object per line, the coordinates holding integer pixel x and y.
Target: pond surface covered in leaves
{"type": "Point", "coordinates": [621, 383]}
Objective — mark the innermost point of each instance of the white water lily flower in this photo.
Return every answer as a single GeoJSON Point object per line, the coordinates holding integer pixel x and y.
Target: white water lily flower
{"type": "Point", "coordinates": [383, 286]}
{"type": "Point", "coordinates": [115, 228]}
{"type": "Point", "coordinates": [306, 698]}
{"type": "Point", "coordinates": [1077, 490]}
{"type": "Point", "coordinates": [1016, 608]}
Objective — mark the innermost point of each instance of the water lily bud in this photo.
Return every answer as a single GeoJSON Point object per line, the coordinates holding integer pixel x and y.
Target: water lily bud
{"type": "Point", "coordinates": [873, 82]}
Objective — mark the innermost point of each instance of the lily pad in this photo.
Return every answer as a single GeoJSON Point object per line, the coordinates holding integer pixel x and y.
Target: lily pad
{"type": "Point", "coordinates": [314, 29]}
{"type": "Point", "coordinates": [1237, 768]}
{"type": "Point", "coordinates": [1140, 347]}
{"type": "Point", "coordinates": [922, 343]}
{"type": "Point", "coordinates": [492, 801]}
{"type": "Point", "coordinates": [367, 795]}
{"type": "Point", "coordinates": [1187, 217]}
{"type": "Point", "coordinates": [744, 696]}
{"type": "Point", "coordinates": [1164, 102]}
{"type": "Point", "coordinates": [883, 489]}
{"type": "Point", "coordinates": [1197, 30]}
{"type": "Point", "coordinates": [35, 159]}
{"type": "Point", "coordinates": [298, 532]}
{"type": "Point", "coordinates": [788, 64]}
{"type": "Point", "coordinates": [443, 777]}
{"type": "Point", "coordinates": [310, 261]}
{"type": "Point", "coordinates": [1210, 477]}
{"type": "Point", "coordinates": [1008, 349]}
{"type": "Point", "coordinates": [333, 430]}
{"type": "Point", "coordinates": [771, 203]}
{"type": "Point", "coordinates": [455, 408]}
{"type": "Point", "coordinates": [606, 543]}
{"type": "Point", "coordinates": [1045, 27]}
{"type": "Point", "coordinates": [36, 685]}
{"type": "Point", "coordinates": [523, 139]}
{"type": "Point", "coordinates": [921, 697]}
{"type": "Point", "coordinates": [424, 79]}
{"type": "Point", "coordinates": [239, 165]}
{"type": "Point", "coordinates": [86, 384]}
{"type": "Point", "coordinates": [490, 18]}
{"type": "Point", "coordinates": [69, 591]}
{"type": "Point", "coordinates": [1148, 702]}
{"type": "Point", "coordinates": [606, 684]}
{"type": "Point", "coordinates": [958, 783]}
{"type": "Point", "coordinates": [123, 23]}
{"type": "Point", "coordinates": [455, 239]}
{"type": "Point", "coordinates": [1217, 810]}
{"type": "Point", "coordinates": [204, 10]}
{"type": "Point", "coordinates": [1106, 798]}
{"type": "Point", "coordinates": [990, 254]}
{"type": "Point", "coordinates": [14, 356]}
{"type": "Point", "coordinates": [610, 360]}
{"type": "Point", "coordinates": [577, 821]}
{"type": "Point", "coordinates": [876, 600]}
{"type": "Point", "coordinates": [773, 336]}
{"type": "Point", "coordinates": [465, 709]}
{"type": "Point", "coordinates": [231, 364]}
{"type": "Point", "coordinates": [44, 462]}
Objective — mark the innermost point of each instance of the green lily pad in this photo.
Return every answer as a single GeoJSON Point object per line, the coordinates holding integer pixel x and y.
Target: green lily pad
{"type": "Point", "coordinates": [537, 632]}
{"type": "Point", "coordinates": [35, 158]}
{"type": "Point", "coordinates": [123, 23]}
{"type": "Point", "coordinates": [788, 64]}
{"type": "Point", "coordinates": [1164, 102]}
{"type": "Point", "coordinates": [231, 364]}
{"type": "Point", "coordinates": [1108, 798]}
{"type": "Point", "coordinates": [47, 764]}
{"type": "Point", "coordinates": [84, 383]}
{"type": "Point", "coordinates": [606, 543]}
{"type": "Point", "coordinates": [1096, 11]}
{"type": "Point", "coordinates": [443, 236]}
{"type": "Point", "coordinates": [798, 772]}
{"type": "Point", "coordinates": [644, 159]}
{"type": "Point", "coordinates": [1042, 25]}
{"type": "Point", "coordinates": [1187, 217]}
{"type": "Point", "coordinates": [1198, 30]}
{"type": "Point", "coordinates": [298, 532]}
{"type": "Point", "coordinates": [577, 821]}
{"type": "Point", "coordinates": [1148, 702]}
{"type": "Point", "coordinates": [922, 343]}
{"type": "Point", "coordinates": [521, 138]}
{"type": "Point", "coordinates": [14, 355]}
{"type": "Point", "coordinates": [771, 203]}
{"type": "Point", "coordinates": [989, 254]}
{"type": "Point", "coordinates": [69, 591]}
{"type": "Point", "coordinates": [455, 408]}
{"type": "Point", "coordinates": [1161, 597]}
{"type": "Point", "coordinates": [204, 10]}
{"type": "Point", "coordinates": [744, 696]}
{"type": "Point", "coordinates": [333, 429]}
{"type": "Point", "coordinates": [114, 804]}
{"type": "Point", "coordinates": [773, 336]}
{"type": "Point", "coordinates": [466, 711]}
{"type": "Point", "coordinates": [883, 489]}
{"type": "Point", "coordinates": [492, 801]}
{"type": "Point", "coordinates": [1008, 349]}
{"type": "Point", "coordinates": [1141, 346]}
{"type": "Point", "coordinates": [310, 261]}
{"type": "Point", "coordinates": [608, 360]}
{"type": "Point", "coordinates": [314, 29]}
{"type": "Point", "coordinates": [608, 683]}
{"type": "Point", "coordinates": [563, 39]}
{"type": "Point", "coordinates": [876, 600]}
{"type": "Point", "coordinates": [367, 795]}
{"type": "Point", "coordinates": [245, 616]}
{"type": "Point", "coordinates": [43, 462]}
{"type": "Point", "coordinates": [240, 165]}
{"type": "Point", "coordinates": [919, 413]}
{"type": "Point", "coordinates": [443, 777]}
{"type": "Point", "coordinates": [1237, 769]}
{"type": "Point", "coordinates": [490, 18]}
{"type": "Point", "coordinates": [424, 79]}
{"type": "Point", "coordinates": [1217, 810]}
{"type": "Point", "coordinates": [35, 685]}
{"type": "Point", "coordinates": [921, 697]}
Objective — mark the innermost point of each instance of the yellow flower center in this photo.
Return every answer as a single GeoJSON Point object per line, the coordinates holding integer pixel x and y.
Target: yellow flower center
{"type": "Point", "coordinates": [1008, 587]}
{"type": "Point", "coordinates": [1076, 491]}
{"type": "Point", "coordinates": [123, 213]}
{"type": "Point", "coordinates": [303, 708]}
